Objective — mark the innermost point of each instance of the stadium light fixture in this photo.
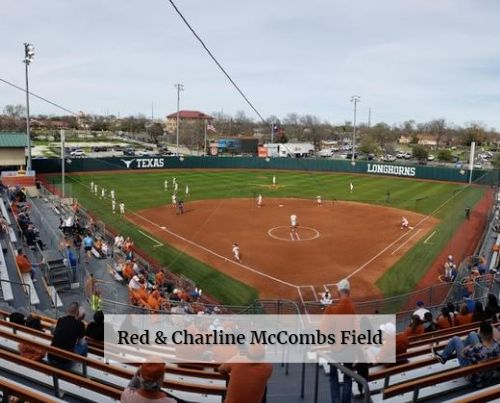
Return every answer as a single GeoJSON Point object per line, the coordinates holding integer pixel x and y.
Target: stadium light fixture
{"type": "Point", "coordinates": [180, 87]}
{"type": "Point", "coordinates": [354, 99]}
{"type": "Point", "coordinates": [29, 54]}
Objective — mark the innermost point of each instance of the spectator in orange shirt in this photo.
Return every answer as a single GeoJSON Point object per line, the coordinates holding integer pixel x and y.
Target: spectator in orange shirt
{"type": "Point", "coordinates": [343, 307]}
{"type": "Point", "coordinates": [464, 317]}
{"type": "Point", "coordinates": [25, 265]}
{"type": "Point", "coordinates": [128, 272]}
{"type": "Point", "coordinates": [31, 351]}
{"type": "Point", "coordinates": [445, 319]}
{"type": "Point", "coordinates": [416, 326]}
{"type": "Point", "coordinates": [247, 378]}
{"type": "Point", "coordinates": [154, 300]}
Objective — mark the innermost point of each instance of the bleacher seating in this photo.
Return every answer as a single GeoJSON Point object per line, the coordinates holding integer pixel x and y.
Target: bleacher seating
{"type": "Point", "coordinates": [6, 286]}
{"type": "Point", "coordinates": [22, 392]}
{"type": "Point", "coordinates": [183, 381]}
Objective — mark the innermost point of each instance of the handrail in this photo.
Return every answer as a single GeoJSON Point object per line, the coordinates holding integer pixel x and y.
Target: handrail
{"type": "Point", "coordinates": [20, 391]}
{"type": "Point", "coordinates": [28, 297]}
{"type": "Point", "coordinates": [358, 378]}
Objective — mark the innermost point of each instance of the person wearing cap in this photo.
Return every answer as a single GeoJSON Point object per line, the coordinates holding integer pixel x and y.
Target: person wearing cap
{"type": "Point", "coordinates": [248, 377]}
{"type": "Point", "coordinates": [343, 307]}
{"type": "Point", "coordinates": [146, 385]}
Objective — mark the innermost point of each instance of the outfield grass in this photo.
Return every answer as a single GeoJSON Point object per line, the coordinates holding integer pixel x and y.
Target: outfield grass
{"type": "Point", "coordinates": [139, 190]}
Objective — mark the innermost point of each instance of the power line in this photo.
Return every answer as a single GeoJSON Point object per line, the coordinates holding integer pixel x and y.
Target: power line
{"type": "Point", "coordinates": [39, 97]}
{"type": "Point", "coordinates": [215, 60]}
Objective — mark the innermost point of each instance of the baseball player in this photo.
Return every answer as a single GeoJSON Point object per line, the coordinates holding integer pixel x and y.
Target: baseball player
{"type": "Point", "coordinates": [319, 201]}
{"type": "Point", "coordinates": [103, 193]}
{"type": "Point", "coordinates": [165, 185]}
{"type": "Point", "coordinates": [404, 223]}
{"type": "Point", "coordinates": [236, 252]}
{"type": "Point", "coordinates": [112, 194]}
{"type": "Point", "coordinates": [122, 208]}
{"type": "Point", "coordinates": [95, 189]}
{"type": "Point", "coordinates": [351, 187]}
{"type": "Point", "coordinates": [176, 187]}
{"type": "Point", "coordinates": [174, 180]}
{"type": "Point", "coordinates": [113, 205]}
{"type": "Point", "coordinates": [187, 190]}
{"type": "Point", "coordinates": [293, 228]}
{"type": "Point", "coordinates": [174, 200]}
{"type": "Point", "coordinates": [91, 186]}
{"type": "Point", "coordinates": [259, 201]}
{"type": "Point", "coordinates": [274, 181]}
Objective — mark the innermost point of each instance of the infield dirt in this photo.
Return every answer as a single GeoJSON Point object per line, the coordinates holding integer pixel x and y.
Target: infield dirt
{"type": "Point", "coordinates": [356, 240]}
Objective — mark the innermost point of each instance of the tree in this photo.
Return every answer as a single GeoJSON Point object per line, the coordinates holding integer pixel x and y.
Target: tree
{"type": "Point", "coordinates": [367, 146]}
{"type": "Point", "coordinates": [420, 153]}
{"type": "Point", "coordinates": [14, 111]}
{"type": "Point", "coordinates": [155, 131]}
{"type": "Point", "coordinates": [495, 161]}
{"type": "Point", "coordinates": [445, 156]}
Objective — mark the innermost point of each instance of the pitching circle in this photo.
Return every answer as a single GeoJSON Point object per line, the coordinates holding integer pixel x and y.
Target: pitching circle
{"type": "Point", "coordinates": [282, 233]}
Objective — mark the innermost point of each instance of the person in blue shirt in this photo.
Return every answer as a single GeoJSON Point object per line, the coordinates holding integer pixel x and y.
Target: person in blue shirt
{"type": "Point", "coordinates": [88, 243]}
{"type": "Point", "coordinates": [72, 261]}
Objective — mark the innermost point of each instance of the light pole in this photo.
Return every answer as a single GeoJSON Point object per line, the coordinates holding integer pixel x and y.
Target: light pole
{"type": "Point", "coordinates": [180, 88]}
{"type": "Point", "coordinates": [355, 99]}
{"type": "Point", "coordinates": [29, 54]}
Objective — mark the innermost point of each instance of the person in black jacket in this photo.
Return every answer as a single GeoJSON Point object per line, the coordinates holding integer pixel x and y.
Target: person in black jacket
{"type": "Point", "coordinates": [67, 332]}
{"type": "Point", "coordinates": [95, 329]}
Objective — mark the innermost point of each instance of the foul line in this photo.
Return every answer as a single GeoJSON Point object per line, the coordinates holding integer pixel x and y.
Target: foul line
{"type": "Point", "coordinates": [214, 253]}
{"type": "Point", "coordinates": [147, 236]}
{"type": "Point", "coordinates": [429, 237]}
{"type": "Point", "coordinates": [405, 242]}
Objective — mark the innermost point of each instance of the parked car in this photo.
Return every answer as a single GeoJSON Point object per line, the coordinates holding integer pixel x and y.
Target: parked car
{"type": "Point", "coordinates": [408, 156]}
{"type": "Point", "coordinates": [325, 153]}
{"type": "Point", "coordinates": [431, 157]}
{"type": "Point", "coordinates": [77, 153]}
{"type": "Point", "coordinates": [129, 151]}
{"type": "Point", "coordinates": [389, 158]}
{"type": "Point", "coordinates": [144, 153]}
{"type": "Point", "coordinates": [400, 155]}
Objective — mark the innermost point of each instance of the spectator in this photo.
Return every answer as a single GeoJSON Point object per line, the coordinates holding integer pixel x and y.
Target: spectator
{"type": "Point", "coordinates": [450, 270]}
{"type": "Point", "coordinates": [429, 323]}
{"type": "Point", "coordinates": [474, 349]}
{"type": "Point", "coordinates": [28, 350]}
{"type": "Point", "coordinates": [326, 299]}
{"type": "Point", "coordinates": [146, 385]}
{"type": "Point", "coordinates": [77, 243]}
{"type": "Point", "coordinates": [464, 317]}
{"type": "Point", "coordinates": [247, 379]}
{"type": "Point", "coordinates": [343, 307]}
{"type": "Point", "coordinates": [420, 311]}
{"type": "Point", "coordinates": [66, 334]}
{"type": "Point", "coordinates": [445, 319]}
{"type": "Point", "coordinates": [72, 261]}
{"type": "Point", "coordinates": [95, 329]}
{"type": "Point", "coordinates": [492, 307]}
{"type": "Point", "coordinates": [416, 326]}
{"type": "Point", "coordinates": [25, 265]}
{"type": "Point", "coordinates": [478, 314]}
{"type": "Point", "coordinates": [88, 242]}
{"type": "Point", "coordinates": [18, 318]}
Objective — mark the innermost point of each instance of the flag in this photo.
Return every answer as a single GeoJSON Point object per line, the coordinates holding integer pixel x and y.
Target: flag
{"type": "Point", "coordinates": [211, 127]}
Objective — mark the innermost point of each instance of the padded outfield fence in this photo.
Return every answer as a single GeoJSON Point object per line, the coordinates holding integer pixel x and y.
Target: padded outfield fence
{"type": "Point", "coordinates": [53, 165]}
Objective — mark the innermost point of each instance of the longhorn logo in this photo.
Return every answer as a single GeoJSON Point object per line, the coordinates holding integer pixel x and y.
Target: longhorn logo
{"type": "Point", "coordinates": [128, 162]}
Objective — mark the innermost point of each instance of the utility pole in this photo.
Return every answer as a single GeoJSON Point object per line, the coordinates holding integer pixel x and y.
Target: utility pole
{"type": "Point", "coordinates": [29, 53]}
{"type": "Point", "coordinates": [180, 88]}
{"type": "Point", "coordinates": [354, 99]}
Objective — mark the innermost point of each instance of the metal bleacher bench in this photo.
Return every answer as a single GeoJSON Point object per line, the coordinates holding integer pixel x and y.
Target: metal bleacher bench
{"type": "Point", "coordinates": [26, 278]}
{"type": "Point", "coordinates": [4, 212]}
{"type": "Point", "coordinates": [4, 275]}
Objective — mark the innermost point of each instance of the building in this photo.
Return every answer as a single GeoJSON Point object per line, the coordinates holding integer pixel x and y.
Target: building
{"type": "Point", "coordinates": [185, 117]}
{"type": "Point", "coordinates": [12, 150]}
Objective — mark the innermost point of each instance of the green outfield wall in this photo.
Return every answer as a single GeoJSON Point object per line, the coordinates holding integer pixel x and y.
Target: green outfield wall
{"type": "Point", "coordinates": [53, 165]}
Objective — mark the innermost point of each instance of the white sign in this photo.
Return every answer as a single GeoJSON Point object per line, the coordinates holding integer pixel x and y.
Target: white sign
{"type": "Point", "coordinates": [144, 163]}
{"type": "Point", "coordinates": [391, 170]}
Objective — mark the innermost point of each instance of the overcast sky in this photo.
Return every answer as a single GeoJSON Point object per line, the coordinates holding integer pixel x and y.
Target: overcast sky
{"type": "Point", "coordinates": [407, 59]}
